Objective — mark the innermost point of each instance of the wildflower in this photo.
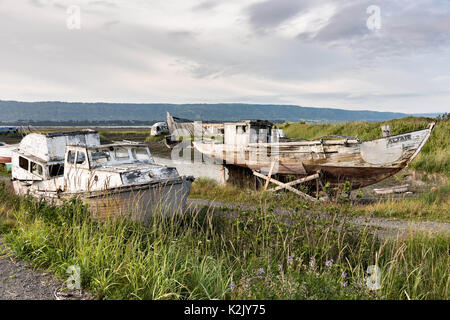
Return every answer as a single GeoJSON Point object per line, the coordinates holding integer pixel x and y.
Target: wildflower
{"type": "Point", "coordinates": [280, 267]}
{"type": "Point", "coordinates": [261, 271]}
{"type": "Point", "coordinates": [290, 259]}
{"type": "Point", "coordinates": [329, 263]}
{"type": "Point", "coordinates": [344, 274]}
{"type": "Point", "coordinates": [232, 285]}
{"type": "Point", "coordinates": [344, 284]}
{"type": "Point", "coordinates": [312, 262]}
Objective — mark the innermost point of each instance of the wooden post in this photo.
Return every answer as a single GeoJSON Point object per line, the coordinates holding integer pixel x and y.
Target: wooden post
{"type": "Point", "coordinates": [317, 187]}
{"type": "Point", "coordinates": [386, 130]}
{"type": "Point", "coordinates": [268, 177]}
{"type": "Point", "coordinates": [223, 177]}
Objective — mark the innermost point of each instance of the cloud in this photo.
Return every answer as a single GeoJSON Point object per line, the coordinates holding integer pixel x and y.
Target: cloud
{"type": "Point", "coordinates": [271, 13]}
{"type": "Point", "coordinates": [315, 53]}
{"type": "Point", "coordinates": [405, 28]}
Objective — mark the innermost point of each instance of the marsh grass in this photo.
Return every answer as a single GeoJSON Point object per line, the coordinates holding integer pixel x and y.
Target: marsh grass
{"type": "Point", "coordinates": [207, 254]}
{"type": "Point", "coordinates": [155, 138]}
{"type": "Point", "coordinates": [3, 171]}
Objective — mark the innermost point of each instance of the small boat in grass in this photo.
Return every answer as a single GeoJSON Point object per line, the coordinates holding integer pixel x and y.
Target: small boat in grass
{"type": "Point", "coordinates": [394, 189]}
{"type": "Point", "coordinates": [6, 154]}
{"type": "Point", "coordinates": [255, 146]}
{"type": "Point", "coordinates": [113, 179]}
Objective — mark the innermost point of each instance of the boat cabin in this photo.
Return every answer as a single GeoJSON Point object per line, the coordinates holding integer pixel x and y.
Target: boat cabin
{"type": "Point", "coordinates": [107, 155]}
{"type": "Point", "coordinates": [249, 131]}
{"type": "Point", "coordinates": [41, 156]}
{"type": "Point", "coordinates": [48, 156]}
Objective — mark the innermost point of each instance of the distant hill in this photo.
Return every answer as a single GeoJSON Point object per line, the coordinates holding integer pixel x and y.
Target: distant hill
{"type": "Point", "coordinates": [15, 111]}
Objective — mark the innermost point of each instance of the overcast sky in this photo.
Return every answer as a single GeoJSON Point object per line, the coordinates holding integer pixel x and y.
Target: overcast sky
{"type": "Point", "coordinates": [310, 53]}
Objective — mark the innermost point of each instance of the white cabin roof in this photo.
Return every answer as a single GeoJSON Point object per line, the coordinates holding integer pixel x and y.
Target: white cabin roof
{"type": "Point", "coordinates": [52, 146]}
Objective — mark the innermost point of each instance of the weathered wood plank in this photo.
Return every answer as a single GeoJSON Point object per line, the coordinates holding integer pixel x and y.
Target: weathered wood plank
{"type": "Point", "coordinates": [298, 181]}
{"type": "Point", "coordinates": [268, 177]}
{"type": "Point", "coordinates": [304, 195]}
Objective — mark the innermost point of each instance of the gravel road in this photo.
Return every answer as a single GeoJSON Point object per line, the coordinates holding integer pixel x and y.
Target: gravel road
{"type": "Point", "coordinates": [18, 281]}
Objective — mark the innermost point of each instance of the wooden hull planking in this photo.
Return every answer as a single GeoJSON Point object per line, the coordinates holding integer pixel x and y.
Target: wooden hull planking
{"type": "Point", "coordinates": [137, 202]}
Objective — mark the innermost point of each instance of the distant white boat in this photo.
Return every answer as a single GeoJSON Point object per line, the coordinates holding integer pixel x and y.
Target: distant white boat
{"type": "Point", "coordinates": [6, 152]}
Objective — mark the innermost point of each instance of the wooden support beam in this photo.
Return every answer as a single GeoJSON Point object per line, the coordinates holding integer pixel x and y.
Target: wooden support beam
{"type": "Point", "coordinates": [292, 183]}
{"type": "Point", "coordinates": [270, 175]}
{"type": "Point", "coordinates": [285, 186]}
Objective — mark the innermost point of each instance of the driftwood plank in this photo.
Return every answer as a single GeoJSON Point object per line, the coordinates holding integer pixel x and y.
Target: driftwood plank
{"type": "Point", "coordinates": [304, 195]}
{"type": "Point", "coordinates": [292, 183]}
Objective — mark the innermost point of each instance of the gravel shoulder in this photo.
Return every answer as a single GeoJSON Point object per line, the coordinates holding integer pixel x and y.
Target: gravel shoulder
{"type": "Point", "coordinates": [18, 281]}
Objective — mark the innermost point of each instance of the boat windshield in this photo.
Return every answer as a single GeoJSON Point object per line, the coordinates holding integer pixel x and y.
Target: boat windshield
{"type": "Point", "coordinates": [140, 153]}
{"type": "Point", "coordinates": [119, 154]}
{"type": "Point", "coordinates": [100, 156]}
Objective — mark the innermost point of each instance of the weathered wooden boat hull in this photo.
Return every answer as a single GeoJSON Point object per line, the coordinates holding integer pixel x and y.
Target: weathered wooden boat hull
{"type": "Point", "coordinates": [5, 160]}
{"type": "Point", "coordinates": [137, 202]}
{"type": "Point", "coordinates": [360, 162]}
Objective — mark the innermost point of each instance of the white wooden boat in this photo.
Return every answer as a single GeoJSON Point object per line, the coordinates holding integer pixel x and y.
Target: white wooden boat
{"type": "Point", "coordinates": [252, 145]}
{"type": "Point", "coordinates": [114, 179]}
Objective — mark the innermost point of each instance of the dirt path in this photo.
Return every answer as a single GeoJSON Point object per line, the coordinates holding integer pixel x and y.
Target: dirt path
{"type": "Point", "coordinates": [19, 282]}
{"type": "Point", "coordinates": [385, 228]}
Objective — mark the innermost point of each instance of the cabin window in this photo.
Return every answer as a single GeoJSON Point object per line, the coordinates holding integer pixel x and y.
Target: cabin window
{"type": "Point", "coordinates": [36, 169]}
{"type": "Point", "coordinates": [121, 154]}
{"type": "Point", "coordinates": [81, 157]}
{"type": "Point", "coordinates": [100, 156]}
{"type": "Point", "coordinates": [240, 129]}
{"type": "Point", "coordinates": [23, 163]}
{"type": "Point", "coordinates": [71, 156]}
{"type": "Point", "coordinates": [56, 170]}
{"type": "Point", "coordinates": [139, 153]}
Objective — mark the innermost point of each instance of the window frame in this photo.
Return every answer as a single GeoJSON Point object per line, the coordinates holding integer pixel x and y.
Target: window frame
{"type": "Point", "coordinates": [28, 163]}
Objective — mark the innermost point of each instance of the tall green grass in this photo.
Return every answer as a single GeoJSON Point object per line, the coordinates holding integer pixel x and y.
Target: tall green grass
{"type": "Point", "coordinates": [433, 158]}
{"type": "Point", "coordinates": [432, 205]}
{"type": "Point", "coordinates": [222, 255]}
